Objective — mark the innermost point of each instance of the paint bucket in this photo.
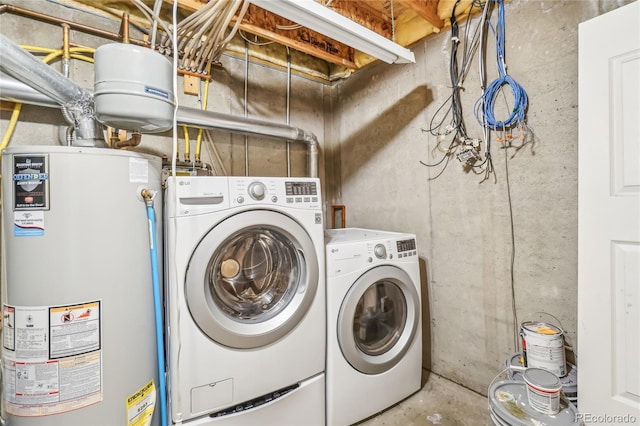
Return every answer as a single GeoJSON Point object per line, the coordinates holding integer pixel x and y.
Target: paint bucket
{"type": "Point", "coordinates": [509, 406]}
{"type": "Point", "coordinates": [515, 370]}
{"type": "Point", "coordinates": [543, 390]}
{"type": "Point", "coordinates": [543, 346]}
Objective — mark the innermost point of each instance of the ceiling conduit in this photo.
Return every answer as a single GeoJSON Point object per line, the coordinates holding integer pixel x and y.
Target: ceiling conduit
{"type": "Point", "coordinates": [43, 86]}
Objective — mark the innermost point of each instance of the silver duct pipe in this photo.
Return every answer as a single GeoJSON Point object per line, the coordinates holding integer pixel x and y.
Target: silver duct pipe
{"type": "Point", "coordinates": [252, 127]}
{"type": "Point", "coordinates": [13, 90]}
{"type": "Point", "coordinates": [23, 66]}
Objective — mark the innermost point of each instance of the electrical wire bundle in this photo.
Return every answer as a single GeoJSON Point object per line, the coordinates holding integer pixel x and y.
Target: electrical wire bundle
{"type": "Point", "coordinates": [448, 118]}
{"type": "Point", "coordinates": [485, 106]}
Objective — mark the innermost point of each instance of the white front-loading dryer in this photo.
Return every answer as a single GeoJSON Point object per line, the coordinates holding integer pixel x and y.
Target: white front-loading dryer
{"type": "Point", "coordinates": [245, 300]}
{"type": "Point", "coordinates": [374, 334]}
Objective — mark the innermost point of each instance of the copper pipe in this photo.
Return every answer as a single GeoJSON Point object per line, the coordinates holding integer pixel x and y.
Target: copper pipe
{"type": "Point", "coordinates": [124, 28]}
{"type": "Point", "coordinates": [8, 8]}
{"type": "Point", "coordinates": [66, 54]}
{"type": "Point", "coordinates": [134, 140]}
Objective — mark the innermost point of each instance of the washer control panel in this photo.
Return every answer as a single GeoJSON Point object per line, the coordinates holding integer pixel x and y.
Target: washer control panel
{"type": "Point", "coordinates": [257, 190]}
{"type": "Point", "coordinates": [204, 194]}
{"type": "Point", "coordinates": [380, 251]}
{"type": "Point", "coordinates": [298, 192]}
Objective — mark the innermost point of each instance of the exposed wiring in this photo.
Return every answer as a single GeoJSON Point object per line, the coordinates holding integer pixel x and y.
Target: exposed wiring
{"type": "Point", "coordinates": [173, 222]}
{"type": "Point", "coordinates": [448, 123]}
{"type": "Point", "coordinates": [255, 43]}
{"type": "Point", "coordinates": [486, 103]}
{"type": "Point", "coordinates": [288, 27]}
{"type": "Point", "coordinates": [513, 255]}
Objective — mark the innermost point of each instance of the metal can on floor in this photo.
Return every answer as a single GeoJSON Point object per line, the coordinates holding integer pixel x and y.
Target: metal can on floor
{"type": "Point", "coordinates": [543, 346]}
{"type": "Point", "coordinates": [543, 390]}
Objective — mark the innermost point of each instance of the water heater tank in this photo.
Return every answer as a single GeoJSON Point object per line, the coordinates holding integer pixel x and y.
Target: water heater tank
{"type": "Point", "coordinates": [133, 88]}
{"type": "Point", "coordinates": [78, 335]}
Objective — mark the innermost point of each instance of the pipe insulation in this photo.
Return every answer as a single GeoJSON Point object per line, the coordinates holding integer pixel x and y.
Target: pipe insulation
{"type": "Point", "coordinates": [23, 66]}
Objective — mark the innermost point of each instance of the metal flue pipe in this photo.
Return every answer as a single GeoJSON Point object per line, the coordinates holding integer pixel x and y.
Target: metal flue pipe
{"type": "Point", "coordinates": [252, 127]}
{"type": "Point", "coordinates": [13, 90]}
{"type": "Point", "coordinates": [23, 66]}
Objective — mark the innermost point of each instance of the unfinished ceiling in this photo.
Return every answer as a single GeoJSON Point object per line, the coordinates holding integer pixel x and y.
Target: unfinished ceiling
{"type": "Point", "coordinates": [269, 38]}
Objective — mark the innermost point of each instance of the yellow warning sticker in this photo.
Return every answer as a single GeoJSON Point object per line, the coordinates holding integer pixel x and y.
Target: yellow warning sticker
{"type": "Point", "coordinates": [140, 405]}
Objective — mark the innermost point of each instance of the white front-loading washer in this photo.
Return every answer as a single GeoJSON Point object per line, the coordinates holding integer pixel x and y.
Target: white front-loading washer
{"type": "Point", "coordinates": [245, 300]}
{"type": "Point", "coordinates": [374, 333]}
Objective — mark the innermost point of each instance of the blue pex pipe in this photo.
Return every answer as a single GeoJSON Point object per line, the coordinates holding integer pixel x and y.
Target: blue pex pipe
{"type": "Point", "coordinates": [157, 305]}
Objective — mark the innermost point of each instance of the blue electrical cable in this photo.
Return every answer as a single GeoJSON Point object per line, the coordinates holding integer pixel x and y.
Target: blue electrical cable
{"type": "Point", "coordinates": [488, 98]}
{"type": "Point", "coordinates": [157, 305]}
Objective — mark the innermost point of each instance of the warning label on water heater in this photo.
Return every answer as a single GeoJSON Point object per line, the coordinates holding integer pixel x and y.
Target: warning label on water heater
{"type": "Point", "coordinates": [52, 358]}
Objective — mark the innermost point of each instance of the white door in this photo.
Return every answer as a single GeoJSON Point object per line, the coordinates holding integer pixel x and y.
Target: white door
{"type": "Point", "coordinates": [609, 218]}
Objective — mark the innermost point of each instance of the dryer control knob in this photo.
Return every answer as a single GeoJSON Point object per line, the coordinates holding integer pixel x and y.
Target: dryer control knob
{"type": "Point", "coordinates": [380, 251]}
{"type": "Point", "coordinates": [257, 190]}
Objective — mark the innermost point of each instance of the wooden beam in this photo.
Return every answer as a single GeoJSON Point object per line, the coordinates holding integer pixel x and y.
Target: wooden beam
{"type": "Point", "coordinates": [426, 9]}
{"type": "Point", "coordinates": [7, 106]}
{"type": "Point", "coordinates": [273, 27]}
{"type": "Point", "coordinates": [190, 5]}
{"type": "Point", "coordinates": [370, 14]}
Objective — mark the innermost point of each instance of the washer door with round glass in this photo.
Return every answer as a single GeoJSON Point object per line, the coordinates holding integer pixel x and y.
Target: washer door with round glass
{"type": "Point", "coordinates": [378, 319]}
{"type": "Point", "coordinates": [251, 279]}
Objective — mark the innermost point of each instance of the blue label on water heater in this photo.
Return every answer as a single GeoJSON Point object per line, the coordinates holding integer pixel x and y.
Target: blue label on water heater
{"type": "Point", "coordinates": [28, 223]}
{"type": "Point", "coordinates": [156, 92]}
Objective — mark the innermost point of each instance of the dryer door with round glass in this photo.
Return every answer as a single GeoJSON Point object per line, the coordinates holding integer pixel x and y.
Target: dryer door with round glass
{"type": "Point", "coordinates": [378, 319]}
{"type": "Point", "coordinates": [251, 279]}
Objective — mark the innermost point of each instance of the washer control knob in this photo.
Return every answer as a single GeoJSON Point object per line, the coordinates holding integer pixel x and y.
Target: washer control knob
{"type": "Point", "coordinates": [257, 190]}
{"type": "Point", "coordinates": [380, 251]}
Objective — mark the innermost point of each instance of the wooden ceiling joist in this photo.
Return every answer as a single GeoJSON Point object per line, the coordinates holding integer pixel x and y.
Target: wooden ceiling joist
{"type": "Point", "coordinates": [267, 25]}
{"type": "Point", "coordinates": [369, 14]}
{"type": "Point", "coordinates": [426, 9]}
{"type": "Point", "coordinates": [273, 27]}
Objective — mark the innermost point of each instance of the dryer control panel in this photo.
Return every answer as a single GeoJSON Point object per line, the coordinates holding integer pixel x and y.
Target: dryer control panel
{"type": "Point", "coordinates": [347, 257]}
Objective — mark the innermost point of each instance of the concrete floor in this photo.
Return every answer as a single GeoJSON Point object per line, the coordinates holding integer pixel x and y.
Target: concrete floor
{"type": "Point", "coordinates": [439, 402]}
